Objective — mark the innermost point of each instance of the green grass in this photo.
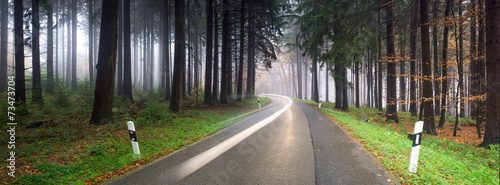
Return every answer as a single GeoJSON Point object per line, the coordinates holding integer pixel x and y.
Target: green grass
{"type": "Point", "coordinates": [441, 161]}
{"type": "Point", "coordinates": [56, 144]}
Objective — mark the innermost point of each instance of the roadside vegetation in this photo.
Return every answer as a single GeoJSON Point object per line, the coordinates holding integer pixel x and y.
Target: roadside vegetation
{"type": "Point", "coordinates": [55, 144]}
{"type": "Point", "coordinates": [444, 159]}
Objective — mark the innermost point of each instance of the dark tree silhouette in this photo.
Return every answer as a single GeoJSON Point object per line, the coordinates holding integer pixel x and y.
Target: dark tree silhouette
{"type": "Point", "coordinates": [4, 36]}
{"type": "Point", "coordinates": [444, 64]}
{"type": "Point", "coordinates": [50, 49]}
{"type": "Point", "coordinates": [208, 66]}
{"type": "Point", "coordinates": [391, 103]}
{"type": "Point", "coordinates": [429, 126]}
{"type": "Point", "coordinates": [74, 41]}
{"type": "Point", "coordinates": [492, 127]}
{"type": "Point", "coordinates": [103, 99]}
{"type": "Point", "coordinates": [19, 55]}
{"type": "Point", "coordinates": [37, 81]}
{"type": "Point", "coordinates": [413, 51]}
{"type": "Point", "coordinates": [127, 54]}
{"type": "Point", "coordinates": [179, 57]}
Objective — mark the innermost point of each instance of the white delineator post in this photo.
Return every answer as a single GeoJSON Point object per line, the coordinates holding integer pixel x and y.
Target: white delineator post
{"type": "Point", "coordinates": [133, 137]}
{"type": "Point", "coordinates": [319, 103]}
{"type": "Point", "coordinates": [258, 100]}
{"type": "Point", "coordinates": [417, 138]}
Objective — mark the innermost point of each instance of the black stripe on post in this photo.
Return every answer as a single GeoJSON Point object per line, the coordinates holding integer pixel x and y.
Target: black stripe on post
{"type": "Point", "coordinates": [133, 137]}
{"type": "Point", "coordinates": [417, 138]}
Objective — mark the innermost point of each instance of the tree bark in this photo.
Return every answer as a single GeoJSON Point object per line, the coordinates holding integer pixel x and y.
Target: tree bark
{"type": "Point", "coordinates": [391, 103]}
{"type": "Point", "coordinates": [239, 86]}
{"type": "Point", "coordinates": [37, 82]}
{"type": "Point", "coordinates": [50, 51]}
{"type": "Point", "coordinates": [215, 89]}
{"type": "Point", "coordinates": [74, 42]}
{"type": "Point", "coordinates": [413, 51]}
{"type": "Point", "coordinates": [356, 66]}
{"type": "Point", "coordinates": [119, 69]}
{"type": "Point", "coordinates": [492, 127]}
{"type": "Point", "coordinates": [338, 84]}
{"type": "Point", "coordinates": [315, 80]}
{"type": "Point", "coordinates": [444, 65]}
{"type": "Point", "coordinates": [436, 57]}
{"type": "Point", "coordinates": [68, 46]}
{"type": "Point", "coordinates": [127, 57]}
{"type": "Point", "coordinates": [179, 57]}
{"type": "Point", "coordinates": [91, 44]}
{"type": "Point", "coordinates": [345, 103]}
{"type": "Point", "coordinates": [103, 100]}
{"type": "Point", "coordinates": [225, 53]}
{"type": "Point", "coordinates": [4, 36]}
{"type": "Point", "coordinates": [429, 126]}
{"type": "Point", "coordinates": [208, 54]}
{"type": "Point", "coordinates": [473, 66]}
{"type": "Point", "coordinates": [166, 47]}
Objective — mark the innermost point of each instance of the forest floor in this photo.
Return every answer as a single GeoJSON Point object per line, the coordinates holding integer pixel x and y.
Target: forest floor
{"type": "Point", "coordinates": [55, 144]}
{"type": "Point", "coordinates": [444, 159]}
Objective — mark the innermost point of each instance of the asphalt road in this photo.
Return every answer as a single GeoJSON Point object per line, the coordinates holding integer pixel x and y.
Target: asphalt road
{"type": "Point", "coordinates": [287, 142]}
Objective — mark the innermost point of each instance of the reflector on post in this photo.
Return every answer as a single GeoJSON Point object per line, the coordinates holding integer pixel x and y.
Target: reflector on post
{"type": "Point", "coordinates": [133, 137]}
{"type": "Point", "coordinates": [415, 150]}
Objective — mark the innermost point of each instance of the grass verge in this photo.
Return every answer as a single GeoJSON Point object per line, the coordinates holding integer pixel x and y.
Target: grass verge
{"type": "Point", "coordinates": [55, 144]}
{"type": "Point", "coordinates": [441, 161]}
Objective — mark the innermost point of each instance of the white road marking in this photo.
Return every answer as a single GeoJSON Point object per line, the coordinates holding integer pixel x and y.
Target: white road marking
{"type": "Point", "coordinates": [190, 166]}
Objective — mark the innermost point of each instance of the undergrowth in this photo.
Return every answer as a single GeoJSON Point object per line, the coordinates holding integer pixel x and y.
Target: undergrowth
{"type": "Point", "coordinates": [441, 161]}
{"type": "Point", "coordinates": [55, 144]}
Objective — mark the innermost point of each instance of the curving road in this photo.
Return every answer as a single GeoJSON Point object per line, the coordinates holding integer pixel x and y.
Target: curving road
{"type": "Point", "coordinates": [287, 142]}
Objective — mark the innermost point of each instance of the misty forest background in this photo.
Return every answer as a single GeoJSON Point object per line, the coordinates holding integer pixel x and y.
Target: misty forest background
{"type": "Point", "coordinates": [429, 58]}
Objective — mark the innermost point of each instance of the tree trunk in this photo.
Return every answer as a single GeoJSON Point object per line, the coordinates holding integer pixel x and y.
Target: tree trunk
{"type": "Point", "coordinates": [326, 81]}
{"type": "Point", "coordinates": [473, 66]}
{"type": "Point", "coordinates": [74, 41]}
{"type": "Point", "coordinates": [429, 126]}
{"type": "Point", "coordinates": [4, 36]}
{"type": "Point", "coordinates": [402, 78]}
{"type": "Point", "coordinates": [152, 54]}
{"type": "Point", "coordinates": [413, 51]}
{"type": "Point", "coordinates": [50, 51]}
{"type": "Point", "coordinates": [391, 104]}
{"type": "Point", "coordinates": [444, 65]}
{"type": "Point", "coordinates": [68, 46]}
{"type": "Point", "coordinates": [215, 89]}
{"type": "Point", "coordinates": [356, 66]}
{"type": "Point", "coordinates": [369, 78]}
{"type": "Point", "coordinates": [91, 44]}
{"type": "Point", "coordinates": [119, 69]}
{"type": "Point", "coordinates": [179, 57]}
{"type": "Point", "coordinates": [436, 57]}
{"type": "Point", "coordinates": [492, 127]}
{"type": "Point", "coordinates": [20, 95]}
{"type": "Point", "coordinates": [338, 84]}
{"type": "Point", "coordinates": [480, 66]}
{"type": "Point", "coordinates": [37, 82]}
{"type": "Point", "coordinates": [166, 48]}
{"type": "Point", "coordinates": [57, 47]}
{"type": "Point", "coordinates": [225, 53]}
{"type": "Point", "coordinates": [299, 70]}
{"type": "Point", "coordinates": [379, 62]}
{"type": "Point", "coordinates": [315, 80]}
{"type": "Point", "coordinates": [208, 54]}
{"type": "Point", "coordinates": [460, 64]}
{"type": "Point", "coordinates": [345, 103]}
{"type": "Point", "coordinates": [144, 49]}
{"type": "Point", "coordinates": [127, 61]}
{"type": "Point", "coordinates": [239, 87]}
{"type": "Point", "coordinates": [103, 100]}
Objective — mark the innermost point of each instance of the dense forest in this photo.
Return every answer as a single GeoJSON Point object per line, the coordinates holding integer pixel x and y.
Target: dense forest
{"type": "Point", "coordinates": [430, 58]}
